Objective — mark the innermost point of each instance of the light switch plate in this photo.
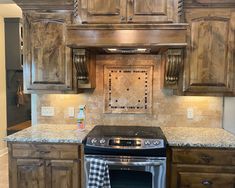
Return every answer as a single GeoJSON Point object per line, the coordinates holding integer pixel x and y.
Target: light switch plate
{"type": "Point", "coordinates": [47, 111]}
{"type": "Point", "coordinates": [190, 113]}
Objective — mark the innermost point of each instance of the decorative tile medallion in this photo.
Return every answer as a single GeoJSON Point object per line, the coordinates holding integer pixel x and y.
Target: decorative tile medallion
{"type": "Point", "coordinates": [128, 89]}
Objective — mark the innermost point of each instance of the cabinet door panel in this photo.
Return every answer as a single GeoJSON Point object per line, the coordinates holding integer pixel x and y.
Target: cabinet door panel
{"type": "Point", "coordinates": [30, 173]}
{"type": "Point", "coordinates": [151, 11]}
{"type": "Point", "coordinates": [198, 180]}
{"type": "Point", "coordinates": [211, 53]}
{"type": "Point", "coordinates": [64, 174]}
{"type": "Point", "coordinates": [103, 11]}
{"type": "Point", "coordinates": [47, 60]}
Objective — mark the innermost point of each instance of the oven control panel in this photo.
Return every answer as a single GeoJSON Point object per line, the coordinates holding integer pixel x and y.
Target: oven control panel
{"type": "Point", "coordinates": [125, 143]}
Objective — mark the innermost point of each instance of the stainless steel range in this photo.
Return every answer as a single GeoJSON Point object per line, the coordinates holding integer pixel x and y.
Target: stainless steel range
{"type": "Point", "coordinates": [136, 155]}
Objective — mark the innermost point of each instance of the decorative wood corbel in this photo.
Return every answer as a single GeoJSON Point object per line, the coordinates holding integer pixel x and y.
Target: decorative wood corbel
{"type": "Point", "coordinates": [172, 66]}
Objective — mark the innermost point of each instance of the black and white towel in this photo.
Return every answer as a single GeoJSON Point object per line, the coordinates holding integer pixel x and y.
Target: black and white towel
{"type": "Point", "coordinates": [98, 174]}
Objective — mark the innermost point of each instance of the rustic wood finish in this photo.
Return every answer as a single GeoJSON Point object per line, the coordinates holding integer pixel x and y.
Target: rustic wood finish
{"type": "Point", "coordinates": [126, 35]}
{"type": "Point", "coordinates": [47, 61]}
{"type": "Point", "coordinates": [203, 156]}
{"type": "Point", "coordinates": [210, 57]}
{"type": "Point", "coordinates": [209, 3]}
{"type": "Point", "coordinates": [198, 168]}
{"type": "Point", "coordinates": [45, 4]}
{"type": "Point", "coordinates": [139, 11]}
{"type": "Point", "coordinates": [38, 165]}
{"type": "Point", "coordinates": [30, 173]}
{"type": "Point", "coordinates": [103, 11]}
{"type": "Point", "coordinates": [128, 11]}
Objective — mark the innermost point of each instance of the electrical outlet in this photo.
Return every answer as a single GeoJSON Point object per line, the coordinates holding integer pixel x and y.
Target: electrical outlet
{"type": "Point", "coordinates": [47, 111]}
{"type": "Point", "coordinates": [190, 113]}
{"type": "Point", "coordinates": [71, 112]}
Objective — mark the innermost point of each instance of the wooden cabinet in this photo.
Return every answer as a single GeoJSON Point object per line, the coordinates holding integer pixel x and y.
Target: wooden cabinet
{"type": "Point", "coordinates": [29, 173]}
{"type": "Point", "coordinates": [136, 11]}
{"type": "Point", "coordinates": [44, 165]}
{"type": "Point", "coordinates": [198, 168]}
{"type": "Point", "coordinates": [209, 67]}
{"type": "Point", "coordinates": [103, 11]}
{"type": "Point", "coordinates": [62, 173]}
{"type": "Point", "coordinates": [47, 60]}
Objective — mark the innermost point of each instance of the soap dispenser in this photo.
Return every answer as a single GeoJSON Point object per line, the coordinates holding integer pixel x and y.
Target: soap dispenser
{"type": "Point", "coordinates": [81, 117]}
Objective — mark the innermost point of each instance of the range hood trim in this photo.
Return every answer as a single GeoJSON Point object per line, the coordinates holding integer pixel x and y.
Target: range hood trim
{"type": "Point", "coordinates": [127, 36]}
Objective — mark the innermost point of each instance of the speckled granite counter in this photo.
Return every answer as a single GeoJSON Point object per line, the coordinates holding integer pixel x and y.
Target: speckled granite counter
{"type": "Point", "coordinates": [176, 136]}
{"type": "Point", "coordinates": [49, 134]}
{"type": "Point", "coordinates": [199, 137]}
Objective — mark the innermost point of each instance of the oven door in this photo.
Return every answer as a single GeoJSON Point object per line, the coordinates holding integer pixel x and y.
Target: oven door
{"type": "Point", "coordinates": [132, 172]}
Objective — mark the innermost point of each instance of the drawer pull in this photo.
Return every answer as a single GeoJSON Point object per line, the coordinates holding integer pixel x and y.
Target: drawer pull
{"type": "Point", "coordinates": [206, 182]}
{"type": "Point", "coordinates": [44, 152]}
{"type": "Point", "coordinates": [206, 158]}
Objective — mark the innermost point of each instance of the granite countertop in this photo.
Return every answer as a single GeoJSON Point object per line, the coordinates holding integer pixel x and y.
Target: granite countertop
{"type": "Point", "coordinates": [176, 136]}
{"type": "Point", "coordinates": [49, 134]}
{"type": "Point", "coordinates": [199, 137]}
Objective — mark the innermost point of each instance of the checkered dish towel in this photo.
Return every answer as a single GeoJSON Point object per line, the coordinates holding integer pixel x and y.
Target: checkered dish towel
{"type": "Point", "coordinates": [98, 174]}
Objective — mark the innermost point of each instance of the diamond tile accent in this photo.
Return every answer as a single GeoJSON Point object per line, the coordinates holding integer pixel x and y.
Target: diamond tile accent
{"type": "Point", "coordinates": [128, 89]}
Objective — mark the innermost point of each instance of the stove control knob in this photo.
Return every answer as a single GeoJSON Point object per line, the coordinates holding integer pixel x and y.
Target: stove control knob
{"type": "Point", "coordinates": [94, 141]}
{"type": "Point", "coordinates": [102, 141]}
{"type": "Point", "coordinates": [156, 142]}
{"type": "Point", "coordinates": [147, 142]}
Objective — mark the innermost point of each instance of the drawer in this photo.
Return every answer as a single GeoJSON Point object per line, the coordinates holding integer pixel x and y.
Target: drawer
{"type": "Point", "coordinates": [203, 156]}
{"type": "Point", "coordinates": [200, 180]}
{"type": "Point", "coordinates": [46, 151]}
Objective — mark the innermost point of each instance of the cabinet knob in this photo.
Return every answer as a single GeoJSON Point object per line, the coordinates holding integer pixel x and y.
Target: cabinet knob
{"type": "Point", "coordinates": [122, 18]}
{"type": "Point", "coordinates": [206, 182]}
{"type": "Point", "coordinates": [48, 164]}
{"type": "Point", "coordinates": [206, 158]}
{"type": "Point", "coordinates": [130, 18]}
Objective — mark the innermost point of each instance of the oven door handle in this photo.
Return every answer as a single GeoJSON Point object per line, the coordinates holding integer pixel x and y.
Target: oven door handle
{"type": "Point", "coordinates": [134, 163]}
{"type": "Point", "coordinates": [129, 163]}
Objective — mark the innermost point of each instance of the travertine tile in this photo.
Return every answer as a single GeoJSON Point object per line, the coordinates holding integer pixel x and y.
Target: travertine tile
{"type": "Point", "coordinates": [167, 109]}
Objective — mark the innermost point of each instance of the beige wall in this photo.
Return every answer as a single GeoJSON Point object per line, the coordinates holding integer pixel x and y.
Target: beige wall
{"type": "Point", "coordinates": [6, 10]}
{"type": "Point", "coordinates": [167, 109]}
{"type": "Point", "coordinates": [2, 85]}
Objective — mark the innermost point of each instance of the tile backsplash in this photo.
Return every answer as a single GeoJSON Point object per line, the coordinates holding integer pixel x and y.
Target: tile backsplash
{"type": "Point", "coordinates": [167, 109]}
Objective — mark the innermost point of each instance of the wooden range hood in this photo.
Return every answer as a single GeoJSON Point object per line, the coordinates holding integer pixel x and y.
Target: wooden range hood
{"type": "Point", "coordinates": [101, 36]}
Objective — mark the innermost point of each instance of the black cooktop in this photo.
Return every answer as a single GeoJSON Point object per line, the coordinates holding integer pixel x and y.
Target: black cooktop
{"type": "Point", "coordinates": [126, 140]}
{"type": "Point", "coordinates": [127, 132]}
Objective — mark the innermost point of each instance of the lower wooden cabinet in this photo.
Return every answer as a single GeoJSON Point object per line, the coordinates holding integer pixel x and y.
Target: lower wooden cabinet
{"type": "Point", "coordinates": [63, 173]}
{"type": "Point", "coordinates": [27, 173]}
{"type": "Point", "coordinates": [58, 166]}
{"type": "Point", "coordinates": [199, 168]}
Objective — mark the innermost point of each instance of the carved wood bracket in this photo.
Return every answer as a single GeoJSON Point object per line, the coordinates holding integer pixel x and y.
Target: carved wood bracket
{"type": "Point", "coordinates": [80, 63]}
{"type": "Point", "coordinates": [174, 63]}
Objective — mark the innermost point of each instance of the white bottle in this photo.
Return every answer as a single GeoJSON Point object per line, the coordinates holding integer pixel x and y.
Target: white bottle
{"type": "Point", "coordinates": [81, 118]}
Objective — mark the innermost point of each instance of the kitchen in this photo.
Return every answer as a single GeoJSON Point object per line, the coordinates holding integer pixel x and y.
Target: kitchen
{"type": "Point", "coordinates": [135, 65]}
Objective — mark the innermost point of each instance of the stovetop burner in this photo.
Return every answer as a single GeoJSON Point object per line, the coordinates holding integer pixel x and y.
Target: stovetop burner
{"type": "Point", "coordinates": [128, 140]}
{"type": "Point", "coordinates": [127, 131]}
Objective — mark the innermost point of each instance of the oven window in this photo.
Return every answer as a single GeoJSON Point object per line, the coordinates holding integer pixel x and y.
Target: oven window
{"type": "Point", "coordinates": [130, 179]}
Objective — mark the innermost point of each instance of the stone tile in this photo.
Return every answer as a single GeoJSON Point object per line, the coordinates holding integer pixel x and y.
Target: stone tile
{"type": "Point", "coordinates": [167, 110]}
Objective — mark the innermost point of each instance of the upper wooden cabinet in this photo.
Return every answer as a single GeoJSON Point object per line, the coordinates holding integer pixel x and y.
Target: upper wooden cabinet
{"type": "Point", "coordinates": [103, 11]}
{"type": "Point", "coordinates": [209, 66]}
{"type": "Point", "coordinates": [123, 11]}
{"type": "Point", "coordinates": [47, 60]}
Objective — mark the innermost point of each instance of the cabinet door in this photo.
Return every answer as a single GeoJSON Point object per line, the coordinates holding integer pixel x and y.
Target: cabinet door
{"type": "Point", "coordinates": [210, 63]}
{"type": "Point", "coordinates": [193, 176]}
{"type": "Point", "coordinates": [63, 174]}
{"type": "Point", "coordinates": [103, 11]}
{"type": "Point", "coordinates": [30, 173]}
{"type": "Point", "coordinates": [47, 61]}
{"type": "Point", "coordinates": [148, 11]}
